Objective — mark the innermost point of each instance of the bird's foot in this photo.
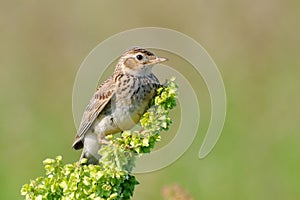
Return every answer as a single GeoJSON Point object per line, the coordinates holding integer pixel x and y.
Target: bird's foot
{"type": "Point", "coordinates": [142, 129]}
{"type": "Point", "coordinates": [103, 141]}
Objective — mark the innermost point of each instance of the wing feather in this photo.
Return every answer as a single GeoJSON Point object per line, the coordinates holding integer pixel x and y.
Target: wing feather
{"type": "Point", "coordinates": [98, 102]}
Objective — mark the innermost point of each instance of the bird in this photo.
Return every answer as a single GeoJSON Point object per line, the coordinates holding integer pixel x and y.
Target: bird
{"type": "Point", "coordinates": [119, 102]}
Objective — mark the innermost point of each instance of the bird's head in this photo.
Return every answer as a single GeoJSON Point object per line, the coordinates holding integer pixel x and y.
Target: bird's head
{"type": "Point", "coordinates": [138, 61]}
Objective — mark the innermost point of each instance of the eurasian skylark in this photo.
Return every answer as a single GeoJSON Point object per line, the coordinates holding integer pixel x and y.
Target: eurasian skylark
{"type": "Point", "coordinates": [119, 102]}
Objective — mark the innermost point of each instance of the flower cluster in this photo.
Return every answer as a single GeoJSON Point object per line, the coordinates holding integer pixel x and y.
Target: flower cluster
{"type": "Point", "coordinates": [112, 178]}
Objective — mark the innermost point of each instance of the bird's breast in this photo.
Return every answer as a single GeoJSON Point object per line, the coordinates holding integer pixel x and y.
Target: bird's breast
{"type": "Point", "coordinates": [131, 100]}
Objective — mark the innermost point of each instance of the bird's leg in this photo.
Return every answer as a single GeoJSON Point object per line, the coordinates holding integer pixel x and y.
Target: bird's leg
{"type": "Point", "coordinates": [142, 129]}
{"type": "Point", "coordinates": [102, 140]}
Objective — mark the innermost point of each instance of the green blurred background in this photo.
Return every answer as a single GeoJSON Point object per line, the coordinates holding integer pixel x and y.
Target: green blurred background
{"type": "Point", "coordinates": [254, 43]}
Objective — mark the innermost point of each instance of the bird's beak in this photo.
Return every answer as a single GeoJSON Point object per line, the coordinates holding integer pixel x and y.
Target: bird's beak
{"type": "Point", "coordinates": [158, 60]}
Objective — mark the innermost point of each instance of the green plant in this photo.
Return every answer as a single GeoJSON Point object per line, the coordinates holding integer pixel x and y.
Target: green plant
{"type": "Point", "coordinates": [112, 178]}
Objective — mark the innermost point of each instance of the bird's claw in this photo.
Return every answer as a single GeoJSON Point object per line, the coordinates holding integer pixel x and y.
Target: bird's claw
{"type": "Point", "coordinates": [103, 141]}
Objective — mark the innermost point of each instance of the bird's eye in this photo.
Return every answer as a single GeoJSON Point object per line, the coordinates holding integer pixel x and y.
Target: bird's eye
{"type": "Point", "coordinates": [139, 57]}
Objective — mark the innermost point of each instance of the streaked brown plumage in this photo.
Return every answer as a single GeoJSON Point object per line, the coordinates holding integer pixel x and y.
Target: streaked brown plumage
{"type": "Point", "coordinates": [119, 102]}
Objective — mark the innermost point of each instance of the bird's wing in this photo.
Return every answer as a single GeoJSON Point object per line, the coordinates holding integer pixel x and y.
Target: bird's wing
{"type": "Point", "coordinates": [99, 100]}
